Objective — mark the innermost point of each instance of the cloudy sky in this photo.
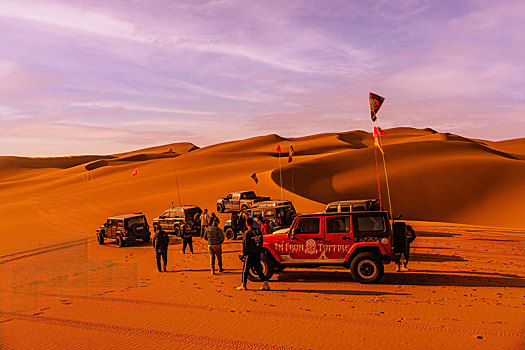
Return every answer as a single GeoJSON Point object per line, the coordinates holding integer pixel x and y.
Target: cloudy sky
{"type": "Point", "coordinates": [104, 76]}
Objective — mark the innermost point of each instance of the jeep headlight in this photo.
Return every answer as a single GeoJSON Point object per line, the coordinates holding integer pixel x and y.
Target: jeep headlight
{"type": "Point", "coordinates": [384, 241]}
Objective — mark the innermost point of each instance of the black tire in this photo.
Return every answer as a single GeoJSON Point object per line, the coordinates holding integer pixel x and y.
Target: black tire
{"type": "Point", "coordinates": [120, 242]}
{"type": "Point", "coordinates": [220, 208]}
{"type": "Point", "coordinates": [197, 219]}
{"type": "Point", "coordinates": [176, 230]}
{"type": "Point", "coordinates": [244, 207]}
{"type": "Point", "coordinates": [100, 238]}
{"type": "Point", "coordinates": [146, 239]}
{"type": "Point", "coordinates": [267, 269]}
{"type": "Point", "coordinates": [367, 268]}
{"type": "Point", "coordinates": [230, 234]}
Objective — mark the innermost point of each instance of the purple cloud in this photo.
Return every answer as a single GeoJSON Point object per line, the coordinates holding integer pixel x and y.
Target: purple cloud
{"type": "Point", "coordinates": [127, 73]}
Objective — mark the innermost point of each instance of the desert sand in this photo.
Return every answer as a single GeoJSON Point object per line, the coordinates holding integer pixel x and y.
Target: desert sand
{"type": "Point", "coordinates": [465, 287]}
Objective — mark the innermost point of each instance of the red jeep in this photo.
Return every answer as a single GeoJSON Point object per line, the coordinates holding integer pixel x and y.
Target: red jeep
{"type": "Point", "coordinates": [360, 241]}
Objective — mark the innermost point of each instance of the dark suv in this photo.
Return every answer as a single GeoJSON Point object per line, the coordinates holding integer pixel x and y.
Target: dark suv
{"type": "Point", "coordinates": [172, 219]}
{"type": "Point", "coordinates": [124, 229]}
{"type": "Point", "coordinates": [279, 213]}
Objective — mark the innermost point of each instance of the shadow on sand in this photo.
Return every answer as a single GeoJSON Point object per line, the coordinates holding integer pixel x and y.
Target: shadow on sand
{"type": "Point", "coordinates": [418, 278]}
{"type": "Point", "coordinates": [338, 292]}
{"type": "Point", "coordinates": [435, 257]}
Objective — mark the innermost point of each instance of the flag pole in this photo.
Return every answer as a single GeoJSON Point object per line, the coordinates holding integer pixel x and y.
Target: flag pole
{"type": "Point", "coordinates": [176, 179]}
{"type": "Point", "coordinates": [281, 175]}
{"type": "Point", "coordinates": [386, 179]}
{"type": "Point", "coordinates": [378, 178]}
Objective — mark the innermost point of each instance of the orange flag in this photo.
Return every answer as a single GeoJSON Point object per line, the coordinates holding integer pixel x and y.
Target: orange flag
{"type": "Point", "coordinates": [135, 172]}
{"type": "Point", "coordinates": [378, 145]}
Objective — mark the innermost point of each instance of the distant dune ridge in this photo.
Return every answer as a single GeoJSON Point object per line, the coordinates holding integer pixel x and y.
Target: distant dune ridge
{"type": "Point", "coordinates": [433, 177]}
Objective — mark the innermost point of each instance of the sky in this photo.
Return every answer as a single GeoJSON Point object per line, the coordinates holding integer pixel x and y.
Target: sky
{"type": "Point", "coordinates": [108, 76]}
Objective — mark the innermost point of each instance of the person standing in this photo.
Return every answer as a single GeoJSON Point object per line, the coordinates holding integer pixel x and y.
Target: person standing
{"type": "Point", "coordinates": [410, 236]}
{"type": "Point", "coordinates": [251, 250]}
{"type": "Point", "coordinates": [266, 228]}
{"type": "Point", "coordinates": [161, 241]}
{"type": "Point", "coordinates": [215, 238]}
{"type": "Point", "coordinates": [187, 237]}
{"type": "Point", "coordinates": [205, 220]}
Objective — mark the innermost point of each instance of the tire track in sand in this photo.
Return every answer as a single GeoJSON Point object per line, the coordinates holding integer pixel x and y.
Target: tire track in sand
{"type": "Point", "coordinates": [288, 315]}
{"type": "Point", "coordinates": [42, 250]}
{"type": "Point", "coordinates": [141, 332]}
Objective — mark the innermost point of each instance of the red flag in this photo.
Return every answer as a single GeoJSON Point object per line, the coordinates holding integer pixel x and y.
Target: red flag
{"type": "Point", "coordinates": [170, 151]}
{"type": "Point", "coordinates": [254, 177]}
{"type": "Point", "coordinates": [291, 153]}
{"type": "Point", "coordinates": [378, 131]}
{"type": "Point", "coordinates": [135, 172]}
{"type": "Point", "coordinates": [375, 103]}
{"type": "Point", "coordinates": [279, 148]}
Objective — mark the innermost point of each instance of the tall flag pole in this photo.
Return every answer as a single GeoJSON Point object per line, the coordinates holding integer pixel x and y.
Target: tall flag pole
{"type": "Point", "coordinates": [291, 153]}
{"type": "Point", "coordinates": [280, 170]}
{"type": "Point", "coordinates": [171, 153]}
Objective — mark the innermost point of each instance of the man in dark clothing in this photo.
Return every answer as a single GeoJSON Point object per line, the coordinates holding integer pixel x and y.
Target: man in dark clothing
{"type": "Point", "coordinates": [187, 237]}
{"type": "Point", "coordinates": [215, 238]}
{"type": "Point", "coordinates": [251, 250]}
{"type": "Point", "coordinates": [161, 241]}
{"type": "Point", "coordinates": [410, 237]}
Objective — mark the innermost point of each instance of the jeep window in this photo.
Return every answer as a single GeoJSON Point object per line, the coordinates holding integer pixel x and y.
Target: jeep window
{"type": "Point", "coordinates": [370, 223]}
{"type": "Point", "coordinates": [229, 196]}
{"type": "Point", "coordinates": [332, 209]}
{"type": "Point", "coordinates": [345, 208]}
{"type": "Point", "coordinates": [136, 220]}
{"type": "Point", "coordinates": [338, 224]}
{"type": "Point", "coordinates": [309, 225]}
{"type": "Point", "coordinates": [166, 214]}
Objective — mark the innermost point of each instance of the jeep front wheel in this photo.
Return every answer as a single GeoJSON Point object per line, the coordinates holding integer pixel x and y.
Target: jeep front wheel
{"type": "Point", "coordinates": [244, 207]}
{"type": "Point", "coordinates": [220, 208]}
{"type": "Point", "coordinates": [176, 230]}
{"type": "Point", "coordinates": [100, 238]}
{"type": "Point", "coordinates": [267, 269]}
{"type": "Point", "coordinates": [120, 242]}
{"type": "Point", "coordinates": [230, 234]}
{"type": "Point", "coordinates": [146, 238]}
{"type": "Point", "coordinates": [367, 268]}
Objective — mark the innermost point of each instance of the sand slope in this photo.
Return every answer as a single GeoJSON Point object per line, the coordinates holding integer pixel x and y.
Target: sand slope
{"type": "Point", "coordinates": [60, 289]}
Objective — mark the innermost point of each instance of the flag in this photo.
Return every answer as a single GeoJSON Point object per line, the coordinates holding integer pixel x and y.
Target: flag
{"type": "Point", "coordinates": [375, 103]}
{"type": "Point", "coordinates": [279, 148]}
{"type": "Point", "coordinates": [291, 153]}
{"type": "Point", "coordinates": [378, 145]}
{"type": "Point", "coordinates": [378, 131]}
{"type": "Point", "coordinates": [254, 177]}
{"type": "Point", "coordinates": [135, 172]}
{"type": "Point", "coordinates": [170, 151]}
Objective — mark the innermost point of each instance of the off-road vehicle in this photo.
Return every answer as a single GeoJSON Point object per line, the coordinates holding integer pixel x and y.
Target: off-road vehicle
{"type": "Point", "coordinates": [280, 214]}
{"type": "Point", "coordinates": [172, 219]}
{"type": "Point", "coordinates": [360, 241]}
{"type": "Point", "coordinates": [124, 229]}
{"type": "Point", "coordinates": [237, 201]}
{"type": "Point", "coordinates": [353, 205]}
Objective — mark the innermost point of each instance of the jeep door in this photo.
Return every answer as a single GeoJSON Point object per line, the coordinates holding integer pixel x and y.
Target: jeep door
{"type": "Point", "coordinates": [110, 228]}
{"type": "Point", "coordinates": [338, 239]}
{"type": "Point", "coordinates": [306, 239]}
{"type": "Point", "coordinates": [235, 202]}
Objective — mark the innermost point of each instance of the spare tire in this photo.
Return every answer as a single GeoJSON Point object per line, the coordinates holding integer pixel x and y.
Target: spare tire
{"type": "Point", "coordinates": [197, 219]}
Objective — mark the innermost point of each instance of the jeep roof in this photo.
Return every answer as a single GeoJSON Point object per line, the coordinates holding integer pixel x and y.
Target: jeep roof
{"type": "Point", "coordinates": [125, 216]}
{"type": "Point", "coordinates": [271, 203]}
{"type": "Point", "coordinates": [322, 213]}
{"type": "Point", "coordinates": [189, 206]}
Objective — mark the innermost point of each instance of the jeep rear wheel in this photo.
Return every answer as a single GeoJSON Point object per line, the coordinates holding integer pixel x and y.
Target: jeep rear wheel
{"type": "Point", "coordinates": [120, 242]}
{"type": "Point", "coordinates": [267, 269]}
{"type": "Point", "coordinates": [244, 207]}
{"type": "Point", "coordinates": [220, 208]}
{"type": "Point", "coordinates": [367, 268]}
{"type": "Point", "coordinates": [230, 234]}
{"type": "Point", "coordinates": [100, 238]}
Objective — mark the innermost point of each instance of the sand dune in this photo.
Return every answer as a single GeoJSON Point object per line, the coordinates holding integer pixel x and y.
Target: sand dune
{"type": "Point", "coordinates": [59, 279]}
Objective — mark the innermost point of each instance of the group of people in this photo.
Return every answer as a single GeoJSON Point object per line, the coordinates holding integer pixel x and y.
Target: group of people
{"type": "Point", "coordinates": [212, 233]}
{"type": "Point", "coordinates": [239, 223]}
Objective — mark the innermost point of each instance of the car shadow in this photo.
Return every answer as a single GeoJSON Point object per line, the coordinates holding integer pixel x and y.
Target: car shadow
{"type": "Point", "coordinates": [435, 257]}
{"type": "Point", "coordinates": [337, 292]}
{"type": "Point", "coordinates": [412, 278]}
{"type": "Point", "coordinates": [435, 234]}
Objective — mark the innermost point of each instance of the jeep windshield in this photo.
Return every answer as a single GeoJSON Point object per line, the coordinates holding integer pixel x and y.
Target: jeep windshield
{"type": "Point", "coordinates": [135, 220]}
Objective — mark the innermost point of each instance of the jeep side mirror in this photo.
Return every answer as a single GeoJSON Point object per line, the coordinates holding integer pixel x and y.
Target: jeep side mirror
{"type": "Point", "coordinates": [292, 233]}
